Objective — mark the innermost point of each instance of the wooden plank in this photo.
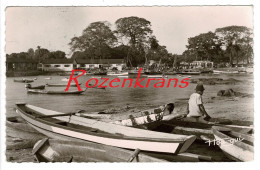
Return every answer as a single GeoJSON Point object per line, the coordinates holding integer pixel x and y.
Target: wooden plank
{"type": "Point", "coordinates": [135, 154]}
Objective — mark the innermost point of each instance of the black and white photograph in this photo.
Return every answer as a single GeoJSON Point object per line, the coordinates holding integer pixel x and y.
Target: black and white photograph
{"type": "Point", "coordinates": [129, 84]}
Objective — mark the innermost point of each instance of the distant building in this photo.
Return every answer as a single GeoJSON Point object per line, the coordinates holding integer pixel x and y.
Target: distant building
{"type": "Point", "coordinates": [19, 64]}
{"type": "Point", "coordinates": [97, 63]}
{"type": "Point", "coordinates": [197, 64]}
{"type": "Point", "coordinates": [201, 64]}
{"type": "Point", "coordinates": [57, 65]}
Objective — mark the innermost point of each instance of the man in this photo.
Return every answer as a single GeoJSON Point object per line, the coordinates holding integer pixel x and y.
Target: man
{"type": "Point", "coordinates": [196, 109]}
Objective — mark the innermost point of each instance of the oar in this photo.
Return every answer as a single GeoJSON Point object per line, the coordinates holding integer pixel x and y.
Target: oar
{"type": "Point", "coordinates": [135, 154]}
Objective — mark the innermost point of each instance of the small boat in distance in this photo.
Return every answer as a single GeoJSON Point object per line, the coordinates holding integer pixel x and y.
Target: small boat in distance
{"type": "Point", "coordinates": [29, 86]}
{"type": "Point", "coordinates": [235, 145]}
{"type": "Point", "coordinates": [62, 85]}
{"type": "Point", "coordinates": [24, 80]}
{"type": "Point", "coordinates": [52, 150]}
{"type": "Point", "coordinates": [48, 78]}
{"type": "Point", "coordinates": [68, 126]}
{"type": "Point", "coordinates": [63, 92]}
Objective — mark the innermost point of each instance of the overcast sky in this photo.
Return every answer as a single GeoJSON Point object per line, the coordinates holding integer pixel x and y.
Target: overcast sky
{"type": "Point", "coordinates": [53, 27]}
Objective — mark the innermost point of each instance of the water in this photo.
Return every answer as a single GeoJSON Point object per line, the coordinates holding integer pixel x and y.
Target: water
{"type": "Point", "coordinates": [97, 99]}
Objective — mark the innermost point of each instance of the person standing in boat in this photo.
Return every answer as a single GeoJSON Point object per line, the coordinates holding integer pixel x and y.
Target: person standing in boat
{"type": "Point", "coordinates": [195, 105]}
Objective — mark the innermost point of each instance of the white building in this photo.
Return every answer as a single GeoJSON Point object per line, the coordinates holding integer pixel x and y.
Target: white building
{"type": "Point", "coordinates": [97, 63]}
{"type": "Point", "coordinates": [57, 65]}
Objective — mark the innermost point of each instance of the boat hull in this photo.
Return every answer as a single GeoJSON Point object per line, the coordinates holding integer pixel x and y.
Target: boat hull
{"type": "Point", "coordinates": [37, 91]}
{"type": "Point", "coordinates": [55, 131]}
{"type": "Point", "coordinates": [51, 150]}
{"type": "Point", "coordinates": [237, 151]}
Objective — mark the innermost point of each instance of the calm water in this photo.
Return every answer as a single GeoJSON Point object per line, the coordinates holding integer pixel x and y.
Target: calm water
{"type": "Point", "coordinates": [98, 99]}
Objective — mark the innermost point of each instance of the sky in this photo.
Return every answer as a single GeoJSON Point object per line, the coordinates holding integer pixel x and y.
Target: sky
{"type": "Point", "coordinates": [53, 27]}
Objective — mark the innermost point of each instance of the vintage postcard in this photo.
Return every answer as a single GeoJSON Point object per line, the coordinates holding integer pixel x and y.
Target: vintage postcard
{"type": "Point", "coordinates": [129, 84]}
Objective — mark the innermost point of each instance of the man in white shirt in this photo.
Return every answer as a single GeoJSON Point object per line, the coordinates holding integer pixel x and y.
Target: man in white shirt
{"type": "Point", "coordinates": [195, 105]}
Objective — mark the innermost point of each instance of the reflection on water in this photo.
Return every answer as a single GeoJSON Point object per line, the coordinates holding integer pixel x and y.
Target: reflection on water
{"type": "Point", "coordinates": [100, 99]}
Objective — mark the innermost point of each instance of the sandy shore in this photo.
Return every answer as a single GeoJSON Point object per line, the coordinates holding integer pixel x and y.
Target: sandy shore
{"type": "Point", "coordinates": [233, 108]}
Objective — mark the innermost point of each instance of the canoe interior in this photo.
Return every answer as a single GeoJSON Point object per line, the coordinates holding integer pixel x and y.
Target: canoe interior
{"type": "Point", "coordinates": [52, 150]}
{"type": "Point", "coordinates": [97, 132]}
{"type": "Point", "coordinates": [246, 141]}
{"type": "Point", "coordinates": [200, 130]}
{"type": "Point", "coordinates": [59, 122]}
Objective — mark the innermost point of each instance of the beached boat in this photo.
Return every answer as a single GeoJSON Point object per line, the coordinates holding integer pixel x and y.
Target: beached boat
{"type": "Point", "coordinates": [144, 119]}
{"type": "Point", "coordinates": [51, 150]}
{"type": "Point", "coordinates": [63, 92]}
{"type": "Point", "coordinates": [62, 85]}
{"type": "Point", "coordinates": [71, 127]}
{"type": "Point", "coordinates": [24, 80]}
{"type": "Point", "coordinates": [201, 129]}
{"type": "Point", "coordinates": [35, 87]}
{"type": "Point", "coordinates": [236, 146]}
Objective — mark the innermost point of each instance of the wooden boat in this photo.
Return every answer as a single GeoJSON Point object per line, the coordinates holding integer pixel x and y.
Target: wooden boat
{"type": "Point", "coordinates": [62, 85]}
{"type": "Point", "coordinates": [201, 129]}
{"type": "Point", "coordinates": [143, 119]}
{"type": "Point", "coordinates": [24, 80]}
{"type": "Point", "coordinates": [54, 92]}
{"type": "Point", "coordinates": [52, 150]}
{"type": "Point", "coordinates": [35, 87]}
{"type": "Point", "coordinates": [72, 127]}
{"type": "Point", "coordinates": [235, 145]}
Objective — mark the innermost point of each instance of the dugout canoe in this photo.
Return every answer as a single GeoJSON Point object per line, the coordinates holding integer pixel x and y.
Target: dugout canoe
{"type": "Point", "coordinates": [62, 85]}
{"type": "Point", "coordinates": [63, 92]}
{"type": "Point", "coordinates": [237, 125]}
{"type": "Point", "coordinates": [24, 81]}
{"type": "Point", "coordinates": [201, 129]}
{"type": "Point", "coordinates": [71, 127]}
{"type": "Point", "coordinates": [41, 87]}
{"type": "Point", "coordinates": [53, 150]}
{"type": "Point", "coordinates": [235, 145]}
{"type": "Point", "coordinates": [148, 119]}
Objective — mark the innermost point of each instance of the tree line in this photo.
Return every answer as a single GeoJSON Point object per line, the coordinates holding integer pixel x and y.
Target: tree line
{"type": "Point", "coordinates": [133, 40]}
{"type": "Point", "coordinates": [40, 54]}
